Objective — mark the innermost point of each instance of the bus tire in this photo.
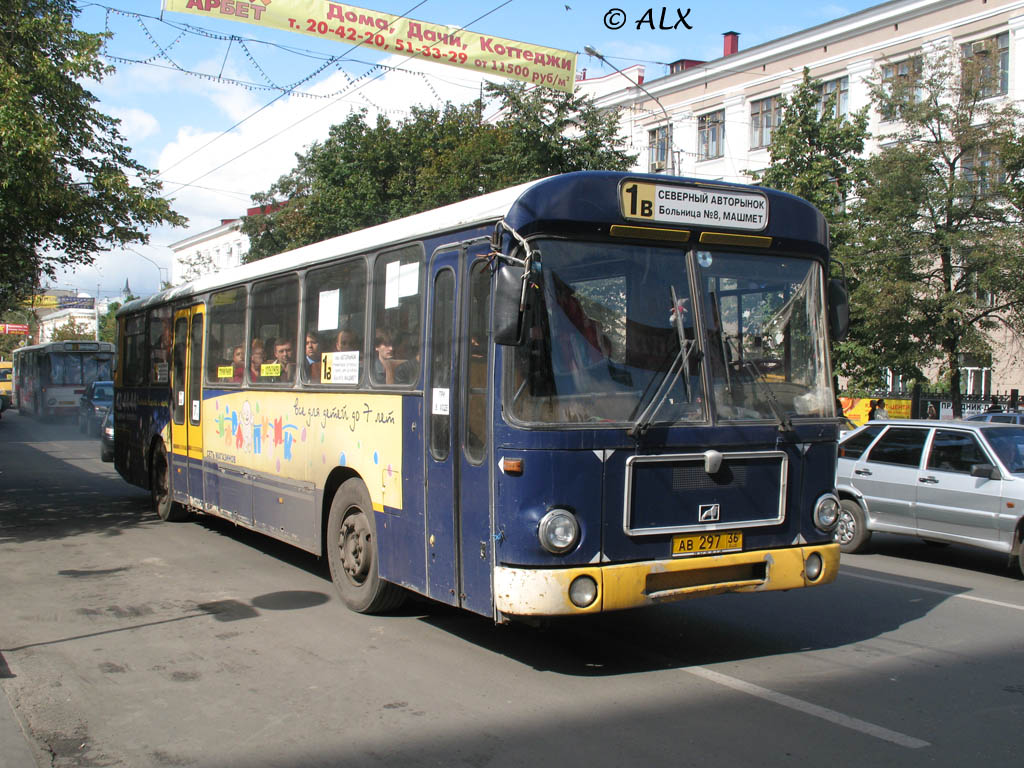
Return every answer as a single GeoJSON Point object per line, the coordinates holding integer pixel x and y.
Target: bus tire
{"type": "Point", "coordinates": [160, 488]}
{"type": "Point", "coordinates": [352, 552]}
{"type": "Point", "coordinates": [852, 533]}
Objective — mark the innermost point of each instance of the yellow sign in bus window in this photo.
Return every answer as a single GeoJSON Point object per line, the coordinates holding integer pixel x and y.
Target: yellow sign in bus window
{"type": "Point", "coordinates": [225, 371]}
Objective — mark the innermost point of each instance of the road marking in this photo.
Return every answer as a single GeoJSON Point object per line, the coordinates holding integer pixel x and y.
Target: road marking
{"type": "Point", "coordinates": [807, 708]}
{"type": "Point", "coordinates": [911, 585]}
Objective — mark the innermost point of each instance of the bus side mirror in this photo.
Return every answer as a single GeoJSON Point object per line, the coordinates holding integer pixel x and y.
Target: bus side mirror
{"type": "Point", "coordinates": [508, 292]}
{"type": "Point", "coordinates": [838, 309]}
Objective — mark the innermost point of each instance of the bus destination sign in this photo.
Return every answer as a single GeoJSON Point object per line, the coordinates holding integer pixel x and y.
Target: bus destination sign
{"type": "Point", "coordinates": [694, 206]}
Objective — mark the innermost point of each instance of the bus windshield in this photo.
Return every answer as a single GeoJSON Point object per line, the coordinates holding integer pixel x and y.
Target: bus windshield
{"type": "Point", "coordinates": [622, 334]}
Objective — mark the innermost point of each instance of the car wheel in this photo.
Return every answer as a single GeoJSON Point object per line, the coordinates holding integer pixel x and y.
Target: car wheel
{"type": "Point", "coordinates": [107, 456]}
{"type": "Point", "coordinates": [352, 552]}
{"type": "Point", "coordinates": [851, 533]}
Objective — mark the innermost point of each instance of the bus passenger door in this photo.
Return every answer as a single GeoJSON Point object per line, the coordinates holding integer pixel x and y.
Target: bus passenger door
{"type": "Point", "coordinates": [186, 407]}
{"type": "Point", "coordinates": [440, 377]}
{"type": "Point", "coordinates": [476, 550]}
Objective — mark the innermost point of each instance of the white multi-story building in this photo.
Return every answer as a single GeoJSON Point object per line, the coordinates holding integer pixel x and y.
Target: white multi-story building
{"type": "Point", "coordinates": [713, 120]}
{"type": "Point", "coordinates": [84, 319]}
{"type": "Point", "coordinates": [216, 249]}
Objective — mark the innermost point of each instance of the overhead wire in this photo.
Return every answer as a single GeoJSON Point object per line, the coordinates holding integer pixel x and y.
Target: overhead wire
{"type": "Point", "coordinates": [333, 102]}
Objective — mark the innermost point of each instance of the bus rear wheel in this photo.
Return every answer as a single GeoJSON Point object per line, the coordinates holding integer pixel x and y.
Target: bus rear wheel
{"type": "Point", "coordinates": [352, 552]}
{"type": "Point", "coordinates": [160, 488]}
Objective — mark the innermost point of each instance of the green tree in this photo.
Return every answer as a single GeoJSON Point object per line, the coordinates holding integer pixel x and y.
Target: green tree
{"type": "Point", "coordinates": [70, 187]}
{"type": "Point", "coordinates": [816, 153]}
{"type": "Point", "coordinates": [363, 174]}
{"type": "Point", "coordinates": [72, 331]}
{"type": "Point", "coordinates": [938, 260]}
{"type": "Point", "coordinates": [108, 323]}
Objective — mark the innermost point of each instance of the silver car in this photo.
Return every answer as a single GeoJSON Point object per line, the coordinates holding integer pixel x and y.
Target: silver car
{"type": "Point", "coordinates": [948, 481]}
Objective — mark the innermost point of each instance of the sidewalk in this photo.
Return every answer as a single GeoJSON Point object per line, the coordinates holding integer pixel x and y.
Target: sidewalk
{"type": "Point", "coordinates": [15, 751]}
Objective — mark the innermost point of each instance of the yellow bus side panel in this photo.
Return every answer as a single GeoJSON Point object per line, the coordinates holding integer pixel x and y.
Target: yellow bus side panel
{"type": "Point", "coordinates": [302, 436]}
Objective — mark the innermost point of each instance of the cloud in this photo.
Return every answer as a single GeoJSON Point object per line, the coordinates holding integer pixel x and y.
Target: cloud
{"type": "Point", "coordinates": [136, 124]}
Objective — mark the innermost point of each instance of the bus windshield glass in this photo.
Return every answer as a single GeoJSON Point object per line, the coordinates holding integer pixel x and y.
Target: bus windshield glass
{"type": "Point", "coordinates": [620, 334]}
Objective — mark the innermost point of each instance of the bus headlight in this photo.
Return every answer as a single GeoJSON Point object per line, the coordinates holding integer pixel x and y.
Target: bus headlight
{"type": "Point", "coordinates": [559, 531]}
{"type": "Point", "coordinates": [826, 512]}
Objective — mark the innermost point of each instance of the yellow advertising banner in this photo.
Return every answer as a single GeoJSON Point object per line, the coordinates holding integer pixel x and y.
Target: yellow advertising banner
{"type": "Point", "coordinates": [857, 408]}
{"type": "Point", "coordinates": [386, 32]}
{"type": "Point", "coordinates": [42, 301]}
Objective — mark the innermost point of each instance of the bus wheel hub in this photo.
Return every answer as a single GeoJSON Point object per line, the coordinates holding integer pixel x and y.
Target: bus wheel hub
{"type": "Point", "coordinates": [355, 547]}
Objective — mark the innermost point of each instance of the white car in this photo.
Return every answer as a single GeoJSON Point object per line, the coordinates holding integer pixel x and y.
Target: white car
{"type": "Point", "coordinates": [949, 481]}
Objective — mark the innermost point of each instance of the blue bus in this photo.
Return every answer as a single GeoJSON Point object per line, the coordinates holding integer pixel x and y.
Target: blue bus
{"type": "Point", "coordinates": [591, 392]}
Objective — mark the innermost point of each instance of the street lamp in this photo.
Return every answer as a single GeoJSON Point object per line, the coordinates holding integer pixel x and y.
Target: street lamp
{"type": "Point", "coordinates": [159, 269]}
{"type": "Point", "coordinates": [592, 51]}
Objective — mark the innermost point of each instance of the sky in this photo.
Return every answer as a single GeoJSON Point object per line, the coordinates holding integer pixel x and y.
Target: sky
{"type": "Point", "coordinates": [221, 108]}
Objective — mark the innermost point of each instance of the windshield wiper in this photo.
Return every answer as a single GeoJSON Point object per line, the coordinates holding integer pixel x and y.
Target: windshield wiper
{"type": "Point", "coordinates": [758, 377]}
{"type": "Point", "coordinates": [680, 366]}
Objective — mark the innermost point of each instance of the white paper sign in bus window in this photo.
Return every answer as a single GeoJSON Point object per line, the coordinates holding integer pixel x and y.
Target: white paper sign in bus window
{"type": "Point", "coordinates": [330, 308]}
{"type": "Point", "coordinates": [439, 402]}
{"type": "Point", "coordinates": [694, 206]}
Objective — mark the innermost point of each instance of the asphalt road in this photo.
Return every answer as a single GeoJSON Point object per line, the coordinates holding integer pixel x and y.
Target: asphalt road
{"type": "Point", "coordinates": [125, 641]}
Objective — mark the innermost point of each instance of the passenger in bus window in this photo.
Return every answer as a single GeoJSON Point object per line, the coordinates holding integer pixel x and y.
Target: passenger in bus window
{"type": "Point", "coordinates": [385, 363]}
{"type": "Point", "coordinates": [348, 341]}
{"type": "Point", "coordinates": [238, 364]}
{"type": "Point", "coordinates": [255, 359]}
{"type": "Point", "coordinates": [408, 363]}
{"type": "Point", "coordinates": [311, 362]}
{"type": "Point", "coordinates": [284, 356]}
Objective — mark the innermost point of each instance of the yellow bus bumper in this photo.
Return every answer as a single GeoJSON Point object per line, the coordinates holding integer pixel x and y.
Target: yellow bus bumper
{"type": "Point", "coordinates": [545, 592]}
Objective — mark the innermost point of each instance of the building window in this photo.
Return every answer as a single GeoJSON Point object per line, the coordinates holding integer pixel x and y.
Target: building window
{"type": "Point", "coordinates": [980, 169]}
{"type": "Point", "coordinates": [841, 88]}
{"type": "Point", "coordinates": [710, 135]}
{"type": "Point", "coordinates": [993, 57]}
{"type": "Point", "coordinates": [657, 142]}
{"type": "Point", "coordinates": [765, 117]}
{"type": "Point", "coordinates": [902, 81]}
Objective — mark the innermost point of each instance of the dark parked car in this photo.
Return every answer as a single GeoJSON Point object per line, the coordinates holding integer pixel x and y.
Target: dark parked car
{"type": "Point", "coordinates": [107, 436]}
{"type": "Point", "coordinates": [941, 481]}
{"type": "Point", "coordinates": [93, 406]}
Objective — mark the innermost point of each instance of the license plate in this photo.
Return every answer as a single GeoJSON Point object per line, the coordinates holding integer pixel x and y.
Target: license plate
{"type": "Point", "coordinates": [710, 543]}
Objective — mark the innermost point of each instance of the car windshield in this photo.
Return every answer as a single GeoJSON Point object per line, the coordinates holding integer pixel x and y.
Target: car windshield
{"type": "Point", "coordinates": [1008, 443]}
{"type": "Point", "coordinates": [103, 393]}
{"type": "Point", "coordinates": [620, 333]}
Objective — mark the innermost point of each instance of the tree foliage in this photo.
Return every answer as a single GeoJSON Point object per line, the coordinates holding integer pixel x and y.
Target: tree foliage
{"type": "Point", "coordinates": [938, 261]}
{"type": "Point", "coordinates": [364, 174]}
{"type": "Point", "coordinates": [72, 330]}
{"type": "Point", "coordinates": [816, 153]}
{"type": "Point", "coordinates": [69, 185]}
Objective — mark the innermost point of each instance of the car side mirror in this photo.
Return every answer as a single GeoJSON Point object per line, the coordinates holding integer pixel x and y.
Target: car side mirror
{"type": "Point", "coordinates": [985, 471]}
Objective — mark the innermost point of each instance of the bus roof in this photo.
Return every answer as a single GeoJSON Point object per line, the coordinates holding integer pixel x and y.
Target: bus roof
{"type": "Point", "coordinates": [583, 201]}
{"type": "Point", "coordinates": [78, 345]}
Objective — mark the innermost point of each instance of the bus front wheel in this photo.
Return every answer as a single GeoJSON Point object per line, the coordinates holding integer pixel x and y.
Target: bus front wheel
{"type": "Point", "coordinates": [352, 552]}
{"type": "Point", "coordinates": [160, 488]}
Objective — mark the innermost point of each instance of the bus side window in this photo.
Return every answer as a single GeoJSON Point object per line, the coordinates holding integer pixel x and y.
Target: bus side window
{"type": "Point", "coordinates": [225, 353]}
{"type": "Point", "coordinates": [476, 361]}
{"type": "Point", "coordinates": [398, 277]}
{"type": "Point", "coordinates": [335, 319]}
{"type": "Point", "coordinates": [275, 316]}
{"type": "Point", "coordinates": [159, 345]}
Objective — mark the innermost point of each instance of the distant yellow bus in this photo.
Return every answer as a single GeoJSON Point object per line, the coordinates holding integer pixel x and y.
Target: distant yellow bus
{"type": "Point", "coordinates": [6, 373]}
